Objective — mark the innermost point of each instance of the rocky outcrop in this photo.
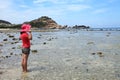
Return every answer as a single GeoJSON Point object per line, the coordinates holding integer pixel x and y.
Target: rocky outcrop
{"type": "Point", "coordinates": [4, 23]}
{"type": "Point", "coordinates": [81, 27]}
{"type": "Point", "coordinates": [44, 22]}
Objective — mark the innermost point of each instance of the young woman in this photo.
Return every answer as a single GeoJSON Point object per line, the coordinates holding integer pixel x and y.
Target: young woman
{"type": "Point", "coordinates": [25, 36]}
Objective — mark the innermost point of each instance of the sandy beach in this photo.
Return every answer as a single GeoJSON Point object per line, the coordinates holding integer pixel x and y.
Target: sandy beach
{"type": "Point", "coordinates": [62, 55]}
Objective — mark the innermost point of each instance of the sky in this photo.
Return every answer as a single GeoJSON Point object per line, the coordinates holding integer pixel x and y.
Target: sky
{"type": "Point", "coordinates": [93, 13]}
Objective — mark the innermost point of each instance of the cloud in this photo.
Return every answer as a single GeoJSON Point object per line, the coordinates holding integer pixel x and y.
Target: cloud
{"type": "Point", "coordinates": [58, 1]}
{"type": "Point", "coordinates": [42, 1]}
{"type": "Point", "coordinates": [23, 6]}
{"type": "Point", "coordinates": [78, 7]}
{"type": "Point", "coordinates": [39, 1]}
{"type": "Point", "coordinates": [99, 11]}
{"type": "Point", "coordinates": [62, 5]}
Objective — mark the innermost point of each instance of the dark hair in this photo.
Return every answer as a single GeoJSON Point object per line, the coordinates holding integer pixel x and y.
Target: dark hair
{"type": "Point", "coordinates": [22, 32]}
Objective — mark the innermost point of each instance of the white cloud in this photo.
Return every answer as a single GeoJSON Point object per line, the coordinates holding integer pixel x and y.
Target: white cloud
{"type": "Point", "coordinates": [58, 1]}
{"type": "Point", "coordinates": [62, 5]}
{"type": "Point", "coordinates": [78, 7]}
{"type": "Point", "coordinates": [98, 11]}
{"type": "Point", "coordinates": [39, 1]}
{"type": "Point", "coordinates": [24, 6]}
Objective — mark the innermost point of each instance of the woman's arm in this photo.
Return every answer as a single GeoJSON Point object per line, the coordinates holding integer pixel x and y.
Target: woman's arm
{"type": "Point", "coordinates": [30, 35]}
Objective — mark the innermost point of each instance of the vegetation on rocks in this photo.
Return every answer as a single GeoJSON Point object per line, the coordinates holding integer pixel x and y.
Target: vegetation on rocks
{"type": "Point", "coordinates": [42, 22]}
{"type": "Point", "coordinates": [5, 24]}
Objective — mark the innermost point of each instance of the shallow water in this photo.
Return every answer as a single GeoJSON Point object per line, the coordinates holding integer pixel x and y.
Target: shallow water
{"type": "Point", "coordinates": [65, 55]}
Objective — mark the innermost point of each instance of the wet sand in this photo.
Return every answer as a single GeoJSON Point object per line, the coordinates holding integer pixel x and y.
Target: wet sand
{"type": "Point", "coordinates": [62, 55]}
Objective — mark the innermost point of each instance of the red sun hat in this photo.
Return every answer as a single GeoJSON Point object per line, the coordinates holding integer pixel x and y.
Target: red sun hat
{"type": "Point", "coordinates": [25, 28]}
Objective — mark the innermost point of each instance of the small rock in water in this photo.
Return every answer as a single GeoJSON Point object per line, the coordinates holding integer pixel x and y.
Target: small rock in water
{"type": "Point", "coordinates": [44, 43]}
{"type": "Point", "coordinates": [109, 32]}
{"type": "Point", "coordinates": [16, 54]}
{"type": "Point", "coordinates": [1, 72]}
{"type": "Point", "coordinates": [14, 39]}
{"type": "Point", "coordinates": [49, 39]}
{"type": "Point", "coordinates": [107, 35]}
{"type": "Point", "coordinates": [90, 43]}
{"type": "Point", "coordinates": [84, 63]}
{"type": "Point", "coordinates": [11, 36]}
{"type": "Point", "coordinates": [1, 44]}
{"type": "Point", "coordinates": [11, 53]}
{"type": "Point", "coordinates": [76, 67]}
{"type": "Point", "coordinates": [13, 47]}
{"type": "Point", "coordinates": [100, 54]}
{"type": "Point", "coordinates": [87, 70]}
{"type": "Point", "coordinates": [12, 42]}
{"type": "Point", "coordinates": [34, 51]}
{"type": "Point", "coordinates": [93, 53]}
{"type": "Point", "coordinates": [7, 56]}
{"type": "Point", "coordinates": [5, 39]}
{"type": "Point", "coordinates": [38, 37]}
{"type": "Point", "coordinates": [3, 57]}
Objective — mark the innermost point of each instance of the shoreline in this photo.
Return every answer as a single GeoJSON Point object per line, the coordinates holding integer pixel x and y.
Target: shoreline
{"type": "Point", "coordinates": [33, 30]}
{"type": "Point", "coordinates": [52, 30]}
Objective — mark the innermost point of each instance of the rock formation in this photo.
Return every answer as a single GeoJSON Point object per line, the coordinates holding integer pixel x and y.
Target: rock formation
{"type": "Point", "coordinates": [4, 23]}
{"type": "Point", "coordinates": [44, 22]}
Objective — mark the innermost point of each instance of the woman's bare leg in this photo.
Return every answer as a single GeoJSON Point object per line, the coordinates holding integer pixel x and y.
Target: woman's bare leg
{"type": "Point", "coordinates": [24, 62]}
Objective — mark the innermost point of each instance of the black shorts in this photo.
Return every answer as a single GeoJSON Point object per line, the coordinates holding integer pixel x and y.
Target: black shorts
{"type": "Point", "coordinates": [26, 50]}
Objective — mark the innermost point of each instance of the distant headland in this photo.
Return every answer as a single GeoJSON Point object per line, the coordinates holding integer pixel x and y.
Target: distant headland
{"type": "Point", "coordinates": [42, 22]}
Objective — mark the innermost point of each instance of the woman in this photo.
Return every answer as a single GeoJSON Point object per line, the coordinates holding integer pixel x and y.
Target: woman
{"type": "Point", "coordinates": [25, 36]}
